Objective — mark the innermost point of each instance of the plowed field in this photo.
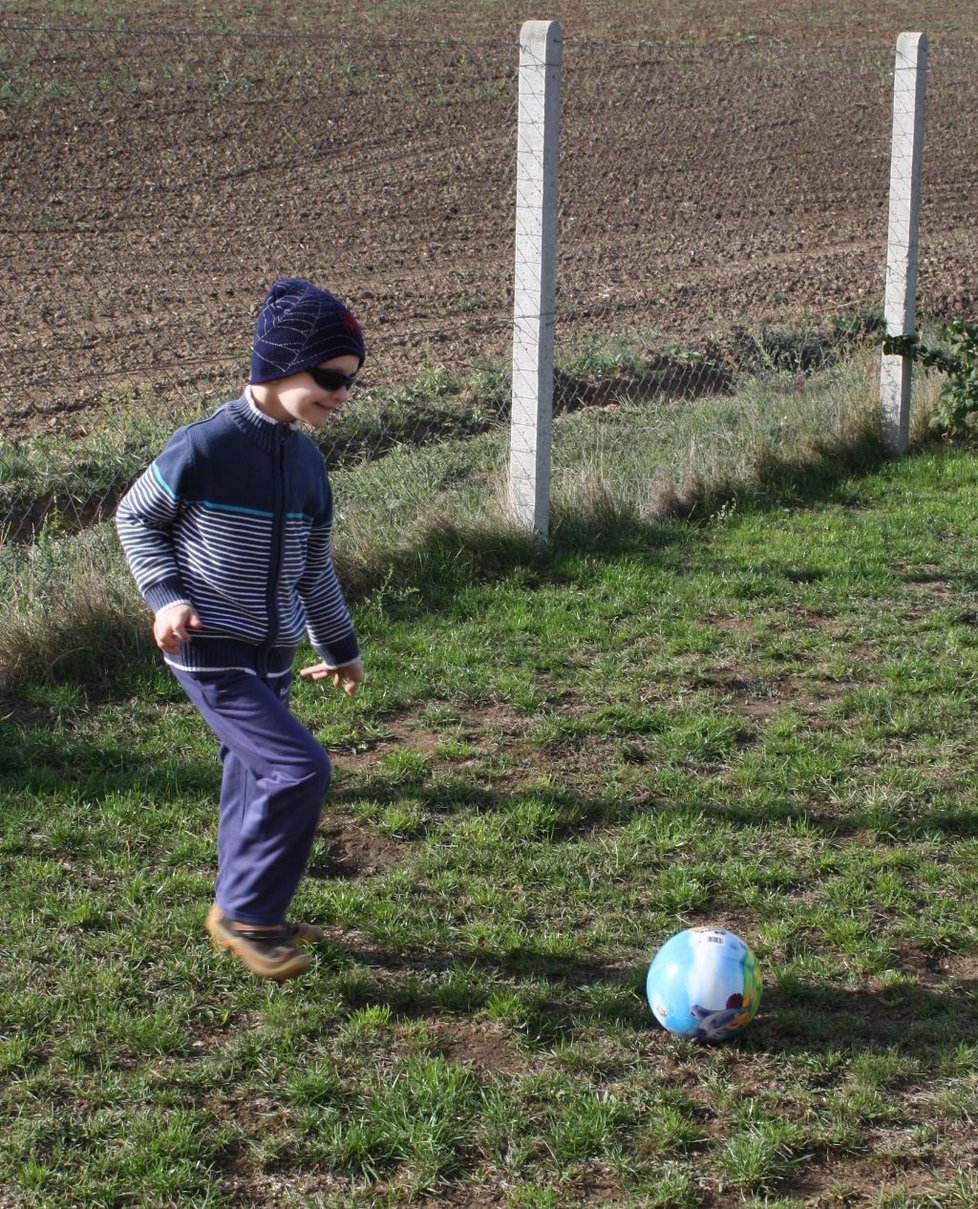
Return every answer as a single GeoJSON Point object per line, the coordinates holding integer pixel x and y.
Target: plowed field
{"type": "Point", "coordinates": [156, 176]}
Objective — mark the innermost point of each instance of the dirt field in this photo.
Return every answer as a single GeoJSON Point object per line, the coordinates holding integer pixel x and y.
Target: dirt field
{"type": "Point", "coordinates": [621, 21]}
{"type": "Point", "coordinates": [157, 177]}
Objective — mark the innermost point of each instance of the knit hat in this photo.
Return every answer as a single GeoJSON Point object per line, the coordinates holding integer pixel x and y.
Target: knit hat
{"type": "Point", "coordinates": [300, 326]}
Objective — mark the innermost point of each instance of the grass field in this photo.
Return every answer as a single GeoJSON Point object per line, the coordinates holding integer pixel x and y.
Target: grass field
{"type": "Point", "coordinates": [762, 720]}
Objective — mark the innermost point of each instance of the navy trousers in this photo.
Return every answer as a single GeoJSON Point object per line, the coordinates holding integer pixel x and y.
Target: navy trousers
{"type": "Point", "coordinates": [275, 778]}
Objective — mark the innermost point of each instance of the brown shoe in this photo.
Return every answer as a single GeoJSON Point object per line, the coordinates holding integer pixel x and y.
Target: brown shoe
{"type": "Point", "coordinates": [267, 952]}
{"type": "Point", "coordinates": [299, 933]}
{"type": "Point", "coordinates": [305, 934]}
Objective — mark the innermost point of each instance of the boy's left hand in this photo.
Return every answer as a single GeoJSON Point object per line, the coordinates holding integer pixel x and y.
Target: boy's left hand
{"type": "Point", "coordinates": [347, 676]}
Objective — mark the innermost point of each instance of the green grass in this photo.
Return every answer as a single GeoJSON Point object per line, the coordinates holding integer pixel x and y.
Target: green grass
{"type": "Point", "coordinates": [760, 719]}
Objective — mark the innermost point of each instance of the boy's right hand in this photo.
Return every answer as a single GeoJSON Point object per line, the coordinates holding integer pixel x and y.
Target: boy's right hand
{"type": "Point", "coordinates": [172, 626]}
{"type": "Point", "coordinates": [347, 676]}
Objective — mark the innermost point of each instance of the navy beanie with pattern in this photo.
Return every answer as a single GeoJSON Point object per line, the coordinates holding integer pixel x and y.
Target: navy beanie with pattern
{"type": "Point", "coordinates": [300, 326]}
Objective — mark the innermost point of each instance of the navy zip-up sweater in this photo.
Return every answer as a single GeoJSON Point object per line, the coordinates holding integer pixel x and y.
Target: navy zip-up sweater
{"type": "Point", "coordinates": [235, 518]}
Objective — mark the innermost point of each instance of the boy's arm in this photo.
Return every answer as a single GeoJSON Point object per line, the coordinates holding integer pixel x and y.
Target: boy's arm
{"type": "Point", "coordinates": [328, 620]}
{"type": "Point", "coordinates": [144, 521]}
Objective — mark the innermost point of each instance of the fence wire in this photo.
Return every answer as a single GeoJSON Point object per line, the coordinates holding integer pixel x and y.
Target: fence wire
{"type": "Point", "coordinates": [709, 187]}
{"type": "Point", "coordinates": [709, 190]}
{"type": "Point", "coordinates": [153, 184]}
{"type": "Point", "coordinates": [723, 215]}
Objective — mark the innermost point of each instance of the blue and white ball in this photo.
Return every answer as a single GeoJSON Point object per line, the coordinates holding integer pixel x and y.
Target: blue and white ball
{"type": "Point", "coordinates": [704, 983]}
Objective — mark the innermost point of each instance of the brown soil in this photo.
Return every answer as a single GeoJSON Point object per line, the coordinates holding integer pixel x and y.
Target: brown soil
{"type": "Point", "coordinates": [155, 181]}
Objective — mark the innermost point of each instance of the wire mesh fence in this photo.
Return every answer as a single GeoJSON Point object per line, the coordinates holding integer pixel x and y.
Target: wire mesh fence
{"type": "Point", "coordinates": [720, 208]}
{"type": "Point", "coordinates": [735, 203]}
{"type": "Point", "coordinates": [721, 187]}
{"type": "Point", "coordinates": [155, 183]}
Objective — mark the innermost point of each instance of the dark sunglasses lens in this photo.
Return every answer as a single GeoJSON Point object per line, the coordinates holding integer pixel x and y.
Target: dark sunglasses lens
{"type": "Point", "coordinates": [331, 379]}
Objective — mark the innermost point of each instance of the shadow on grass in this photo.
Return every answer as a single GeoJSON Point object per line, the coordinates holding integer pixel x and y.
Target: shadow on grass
{"type": "Point", "coordinates": [52, 754]}
{"type": "Point", "coordinates": [557, 998]}
{"type": "Point", "coordinates": [911, 1018]}
{"type": "Point", "coordinates": [562, 816]}
{"type": "Point", "coordinates": [51, 774]}
{"type": "Point", "coordinates": [549, 997]}
{"type": "Point", "coordinates": [450, 555]}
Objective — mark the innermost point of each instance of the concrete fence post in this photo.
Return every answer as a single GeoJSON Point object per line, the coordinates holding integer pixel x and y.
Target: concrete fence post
{"type": "Point", "coordinates": [903, 235]}
{"type": "Point", "coordinates": [541, 46]}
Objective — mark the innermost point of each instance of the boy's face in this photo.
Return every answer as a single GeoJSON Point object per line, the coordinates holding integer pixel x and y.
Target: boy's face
{"type": "Point", "coordinates": [299, 397]}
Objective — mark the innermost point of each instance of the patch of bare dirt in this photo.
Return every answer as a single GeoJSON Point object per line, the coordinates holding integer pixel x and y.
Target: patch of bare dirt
{"type": "Point", "coordinates": [351, 849]}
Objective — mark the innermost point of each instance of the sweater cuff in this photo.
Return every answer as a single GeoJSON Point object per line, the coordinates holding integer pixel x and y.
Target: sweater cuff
{"type": "Point", "coordinates": [341, 652]}
{"type": "Point", "coordinates": [165, 593]}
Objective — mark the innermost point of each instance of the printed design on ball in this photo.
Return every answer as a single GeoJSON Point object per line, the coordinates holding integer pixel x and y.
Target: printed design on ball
{"type": "Point", "coordinates": [704, 983]}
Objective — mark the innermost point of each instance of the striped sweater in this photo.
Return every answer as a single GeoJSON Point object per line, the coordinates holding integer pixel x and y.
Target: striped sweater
{"type": "Point", "coordinates": [235, 518]}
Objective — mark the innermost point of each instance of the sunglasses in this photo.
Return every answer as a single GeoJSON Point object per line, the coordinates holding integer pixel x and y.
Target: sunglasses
{"type": "Point", "coordinates": [331, 379]}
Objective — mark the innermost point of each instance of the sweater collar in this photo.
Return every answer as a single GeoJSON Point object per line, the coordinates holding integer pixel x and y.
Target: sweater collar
{"type": "Point", "coordinates": [262, 429]}
{"type": "Point", "coordinates": [255, 408]}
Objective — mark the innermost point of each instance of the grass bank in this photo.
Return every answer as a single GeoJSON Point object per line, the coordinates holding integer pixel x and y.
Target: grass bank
{"type": "Point", "coordinates": [422, 471]}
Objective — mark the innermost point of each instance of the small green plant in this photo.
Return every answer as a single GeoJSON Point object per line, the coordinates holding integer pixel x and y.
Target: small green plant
{"type": "Point", "coordinates": [956, 358]}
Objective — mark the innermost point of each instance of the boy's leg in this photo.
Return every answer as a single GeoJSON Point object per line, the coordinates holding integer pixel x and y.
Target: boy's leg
{"type": "Point", "coordinates": [275, 779]}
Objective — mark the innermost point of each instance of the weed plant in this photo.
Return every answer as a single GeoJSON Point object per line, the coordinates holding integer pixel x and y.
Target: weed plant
{"type": "Point", "coordinates": [756, 715]}
{"type": "Point", "coordinates": [957, 359]}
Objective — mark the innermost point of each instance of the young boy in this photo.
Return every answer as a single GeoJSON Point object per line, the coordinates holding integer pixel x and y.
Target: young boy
{"type": "Point", "coordinates": [228, 536]}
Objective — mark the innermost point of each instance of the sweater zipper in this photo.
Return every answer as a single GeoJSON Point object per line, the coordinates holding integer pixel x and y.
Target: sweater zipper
{"type": "Point", "coordinates": [278, 543]}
